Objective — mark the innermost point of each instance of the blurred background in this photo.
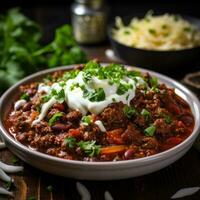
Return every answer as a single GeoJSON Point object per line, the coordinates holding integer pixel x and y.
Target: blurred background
{"type": "Point", "coordinates": [51, 14]}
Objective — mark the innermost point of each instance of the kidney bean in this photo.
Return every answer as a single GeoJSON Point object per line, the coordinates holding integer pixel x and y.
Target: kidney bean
{"type": "Point", "coordinates": [27, 106]}
{"type": "Point", "coordinates": [187, 119]}
{"type": "Point", "coordinates": [61, 127]}
{"type": "Point", "coordinates": [59, 106]}
{"type": "Point", "coordinates": [129, 154]}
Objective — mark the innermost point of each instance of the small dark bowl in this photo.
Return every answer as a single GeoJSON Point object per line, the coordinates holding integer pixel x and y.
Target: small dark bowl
{"type": "Point", "coordinates": [162, 61]}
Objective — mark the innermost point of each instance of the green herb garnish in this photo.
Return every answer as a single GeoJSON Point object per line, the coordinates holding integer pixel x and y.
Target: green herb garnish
{"type": "Point", "coordinates": [55, 118]}
{"type": "Point", "coordinates": [123, 88]}
{"type": "Point", "coordinates": [154, 82]}
{"type": "Point", "coordinates": [70, 142]}
{"type": "Point", "coordinates": [168, 119]}
{"type": "Point", "coordinates": [150, 130]}
{"type": "Point", "coordinates": [95, 96]}
{"type": "Point", "coordinates": [129, 111]}
{"type": "Point", "coordinates": [47, 79]}
{"type": "Point", "coordinates": [25, 96]}
{"type": "Point", "coordinates": [145, 113]}
{"type": "Point", "coordinates": [59, 96]}
{"type": "Point", "coordinates": [86, 120]}
{"type": "Point", "coordinates": [89, 147]}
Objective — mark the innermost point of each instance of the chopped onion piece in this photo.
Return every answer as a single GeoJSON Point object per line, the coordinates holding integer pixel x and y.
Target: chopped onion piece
{"type": "Point", "coordinates": [83, 191]}
{"type": "Point", "coordinates": [185, 192]}
{"type": "Point", "coordinates": [100, 125]}
{"type": "Point", "coordinates": [10, 168]}
{"type": "Point", "coordinates": [2, 145]}
{"type": "Point", "coordinates": [5, 192]}
{"type": "Point", "coordinates": [4, 176]}
{"type": "Point", "coordinates": [19, 104]}
{"type": "Point", "coordinates": [108, 196]}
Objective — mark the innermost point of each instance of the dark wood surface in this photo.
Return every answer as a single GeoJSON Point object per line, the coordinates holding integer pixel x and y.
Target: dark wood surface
{"type": "Point", "coordinates": [160, 185]}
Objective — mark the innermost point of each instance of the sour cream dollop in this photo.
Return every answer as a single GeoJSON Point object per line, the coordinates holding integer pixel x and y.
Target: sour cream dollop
{"type": "Point", "coordinates": [75, 96]}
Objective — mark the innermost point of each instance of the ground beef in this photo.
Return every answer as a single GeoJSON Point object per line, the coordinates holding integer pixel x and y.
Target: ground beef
{"type": "Point", "coordinates": [132, 135]}
{"type": "Point", "coordinates": [114, 117]}
{"type": "Point", "coordinates": [170, 114]}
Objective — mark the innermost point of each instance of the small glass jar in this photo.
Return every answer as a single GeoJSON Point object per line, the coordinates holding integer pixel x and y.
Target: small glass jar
{"type": "Point", "coordinates": [89, 21]}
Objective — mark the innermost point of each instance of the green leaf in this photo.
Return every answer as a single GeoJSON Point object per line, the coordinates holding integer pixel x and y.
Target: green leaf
{"type": "Point", "coordinates": [95, 96]}
{"type": "Point", "coordinates": [55, 118]}
{"type": "Point", "coordinates": [154, 82]}
{"type": "Point", "coordinates": [145, 113]}
{"type": "Point", "coordinates": [150, 130]}
{"type": "Point", "coordinates": [123, 88]}
{"type": "Point", "coordinates": [89, 147]}
{"type": "Point", "coordinates": [168, 119]}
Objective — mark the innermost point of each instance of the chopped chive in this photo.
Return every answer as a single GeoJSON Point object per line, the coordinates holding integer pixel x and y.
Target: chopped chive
{"type": "Point", "coordinates": [55, 118]}
{"type": "Point", "coordinates": [25, 96]}
{"type": "Point", "coordinates": [145, 112]}
{"type": "Point", "coordinates": [168, 119]}
{"type": "Point", "coordinates": [129, 111]}
{"type": "Point", "coordinates": [150, 130]}
{"type": "Point", "coordinates": [70, 142]}
{"type": "Point", "coordinates": [86, 120]}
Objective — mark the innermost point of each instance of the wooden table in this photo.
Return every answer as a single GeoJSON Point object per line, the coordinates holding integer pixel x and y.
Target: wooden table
{"type": "Point", "coordinates": [160, 185]}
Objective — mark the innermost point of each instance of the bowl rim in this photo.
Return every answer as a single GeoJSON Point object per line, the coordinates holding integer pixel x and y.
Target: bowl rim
{"type": "Point", "coordinates": [111, 25]}
{"type": "Point", "coordinates": [137, 162]}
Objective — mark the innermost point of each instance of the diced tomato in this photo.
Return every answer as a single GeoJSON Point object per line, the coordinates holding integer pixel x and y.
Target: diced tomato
{"type": "Point", "coordinates": [171, 142]}
{"type": "Point", "coordinates": [114, 136]}
{"type": "Point", "coordinates": [174, 108]}
{"type": "Point", "coordinates": [174, 140]}
{"type": "Point", "coordinates": [74, 132]}
{"type": "Point", "coordinates": [59, 106]}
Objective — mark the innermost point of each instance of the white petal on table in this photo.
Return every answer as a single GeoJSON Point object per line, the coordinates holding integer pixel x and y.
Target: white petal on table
{"type": "Point", "coordinates": [185, 192]}
{"type": "Point", "coordinates": [10, 168]}
{"type": "Point", "coordinates": [83, 191]}
{"type": "Point", "coordinates": [108, 196]}
{"type": "Point", "coordinates": [2, 145]}
{"type": "Point", "coordinates": [4, 176]}
{"type": "Point", "coordinates": [5, 192]}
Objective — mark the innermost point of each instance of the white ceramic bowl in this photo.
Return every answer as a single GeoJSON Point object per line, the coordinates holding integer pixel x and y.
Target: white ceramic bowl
{"type": "Point", "coordinates": [98, 170]}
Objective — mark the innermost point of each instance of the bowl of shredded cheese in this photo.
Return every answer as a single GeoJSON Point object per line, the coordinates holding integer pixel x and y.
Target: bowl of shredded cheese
{"type": "Point", "coordinates": [165, 41]}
